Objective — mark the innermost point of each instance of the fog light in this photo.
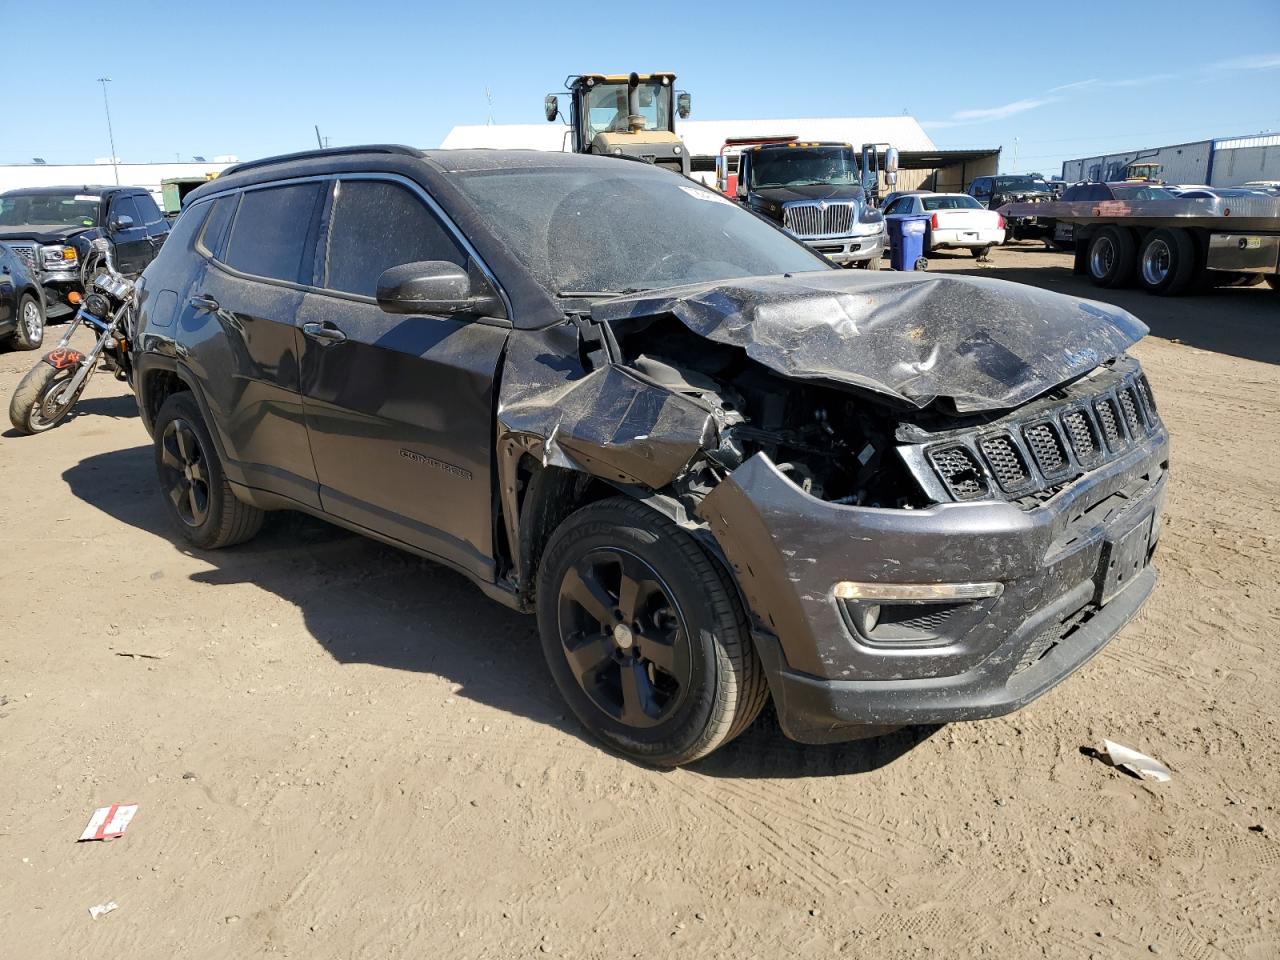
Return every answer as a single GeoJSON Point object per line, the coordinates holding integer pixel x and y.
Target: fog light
{"type": "Point", "coordinates": [907, 592]}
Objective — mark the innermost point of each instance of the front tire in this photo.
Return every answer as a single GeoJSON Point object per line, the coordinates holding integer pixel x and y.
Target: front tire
{"type": "Point", "coordinates": [37, 405]}
{"type": "Point", "coordinates": [31, 320]}
{"type": "Point", "coordinates": [644, 635]}
{"type": "Point", "coordinates": [197, 495]}
{"type": "Point", "coordinates": [871, 264]}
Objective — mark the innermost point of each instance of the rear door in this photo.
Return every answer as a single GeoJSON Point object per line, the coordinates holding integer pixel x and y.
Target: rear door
{"type": "Point", "coordinates": [132, 246]}
{"type": "Point", "coordinates": [400, 409]}
{"type": "Point", "coordinates": [245, 306]}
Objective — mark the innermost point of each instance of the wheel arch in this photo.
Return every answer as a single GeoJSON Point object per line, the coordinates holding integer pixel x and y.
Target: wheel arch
{"type": "Point", "coordinates": [547, 495]}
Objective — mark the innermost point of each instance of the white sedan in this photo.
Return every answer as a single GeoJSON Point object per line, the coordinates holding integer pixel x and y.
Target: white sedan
{"type": "Point", "coordinates": [956, 221]}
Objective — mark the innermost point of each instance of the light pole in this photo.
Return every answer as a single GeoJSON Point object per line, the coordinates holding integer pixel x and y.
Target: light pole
{"type": "Point", "coordinates": [110, 134]}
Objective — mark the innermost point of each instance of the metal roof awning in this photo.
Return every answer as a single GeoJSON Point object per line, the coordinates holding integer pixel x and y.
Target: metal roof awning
{"type": "Point", "coordinates": [934, 159]}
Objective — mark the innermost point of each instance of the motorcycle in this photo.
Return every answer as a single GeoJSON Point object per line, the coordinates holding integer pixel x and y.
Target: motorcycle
{"type": "Point", "coordinates": [49, 392]}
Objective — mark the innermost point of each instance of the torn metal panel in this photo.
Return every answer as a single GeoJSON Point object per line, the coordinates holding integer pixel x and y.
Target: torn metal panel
{"type": "Point", "coordinates": [983, 344]}
{"type": "Point", "coordinates": [610, 422]}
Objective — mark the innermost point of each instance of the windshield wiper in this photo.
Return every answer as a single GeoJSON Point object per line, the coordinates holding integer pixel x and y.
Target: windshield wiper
{"type": "Point", "coordinates": [587, 294]}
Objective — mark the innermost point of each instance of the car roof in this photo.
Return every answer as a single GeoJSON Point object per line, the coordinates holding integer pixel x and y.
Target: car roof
{"type": "Point", "coordinates": [403, 159]}
{"type": "Point", "coordinates": [70, 188]}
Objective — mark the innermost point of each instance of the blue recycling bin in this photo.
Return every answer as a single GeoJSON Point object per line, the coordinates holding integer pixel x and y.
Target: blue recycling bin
{"type": "Point", "coordinates": [906, 241]}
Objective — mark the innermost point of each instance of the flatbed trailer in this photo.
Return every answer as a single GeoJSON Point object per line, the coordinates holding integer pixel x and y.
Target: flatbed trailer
{"type": "Point", "coordinates": [1167, 247]}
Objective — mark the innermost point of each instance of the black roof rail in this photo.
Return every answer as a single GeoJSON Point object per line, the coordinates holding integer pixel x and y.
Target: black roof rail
{"type": "Point", "coordinates": [387, 148]}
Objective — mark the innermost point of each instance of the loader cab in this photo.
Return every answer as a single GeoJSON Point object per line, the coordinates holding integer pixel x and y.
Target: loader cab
{"type": "Point", "coordinates": [626, 115]}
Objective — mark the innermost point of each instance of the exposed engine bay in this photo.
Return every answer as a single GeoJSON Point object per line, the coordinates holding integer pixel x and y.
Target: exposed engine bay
{"type": "Point", "coordinates": [833, 443]}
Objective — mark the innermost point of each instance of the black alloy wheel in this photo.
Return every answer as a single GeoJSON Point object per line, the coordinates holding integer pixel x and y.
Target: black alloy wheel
{"type": "Point", "coordinates": [184, 474]}
{"type": "Point", "coordinates": [624, 638]}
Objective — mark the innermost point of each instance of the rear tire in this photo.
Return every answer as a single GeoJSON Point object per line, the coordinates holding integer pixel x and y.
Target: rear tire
{"type": "Point", "coordinates": [31, 321]}
{"type": "Point", "coordinates": [1111, 257]}
{"type": "Point", "coordinates": [198, 497]}
{"type": "Point", "coordinates": [644, 635]}
{"type": "Point", "coordinates": [1167, 263]}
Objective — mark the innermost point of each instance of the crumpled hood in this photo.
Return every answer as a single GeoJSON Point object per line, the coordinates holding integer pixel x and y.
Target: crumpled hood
{"type": "Point", "coordinates": [41, 233]}
{"type": "Point", "coordinates": [983, 344]}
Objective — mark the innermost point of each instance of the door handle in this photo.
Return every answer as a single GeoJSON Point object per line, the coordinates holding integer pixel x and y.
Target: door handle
{"type": "Point", "coordinates": [325, 332]}
{"type": "Point", "coordinates": [201, 302]}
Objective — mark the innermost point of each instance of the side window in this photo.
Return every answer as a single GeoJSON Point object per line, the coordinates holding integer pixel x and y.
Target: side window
{"type": "Point", "coordinates": [215, 229]}
{"type": "Point", "coordinates": [185, 228]}
{"type": "Point", "coordinates": [123, 207]}
{"type": "Point", "coordinates": [147, 208]}
{"type": "Point", "coordinates": [270, 235]}
{"type": "Point", "coordinates": [895, 207]}
{"type": "Point", "coordinates": [377, 225]}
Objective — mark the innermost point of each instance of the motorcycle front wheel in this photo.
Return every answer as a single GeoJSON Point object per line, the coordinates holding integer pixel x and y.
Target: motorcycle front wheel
{"type": "Point", "coordinates": [40, 402]}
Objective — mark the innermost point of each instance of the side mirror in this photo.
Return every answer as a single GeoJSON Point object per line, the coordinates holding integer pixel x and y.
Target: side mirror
{"type": "Point", "coordinates": [891, 160]}
{"type": "Point", "coordinates": [433, 286]}
{"type": "Point", "coordinates": [121, 222]}
{"type": "Point", "coordinates": [684, 105]}
{"type": "Point", "coordinates": [551, 107]}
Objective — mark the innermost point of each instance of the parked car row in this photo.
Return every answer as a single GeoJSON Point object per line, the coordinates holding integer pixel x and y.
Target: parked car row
{"type": "Point", "coordinates": [52, 230]}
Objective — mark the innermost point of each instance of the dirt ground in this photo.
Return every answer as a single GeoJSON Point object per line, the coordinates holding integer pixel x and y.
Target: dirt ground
{"type": "Point", "coordinates": [341, 751]}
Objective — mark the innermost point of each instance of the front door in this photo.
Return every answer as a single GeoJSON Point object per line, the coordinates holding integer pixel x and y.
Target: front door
{"type": "Point", "coordinates": [400, 409]}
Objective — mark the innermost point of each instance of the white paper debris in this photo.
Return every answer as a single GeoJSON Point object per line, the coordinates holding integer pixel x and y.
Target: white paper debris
{"type": "Point", "coordinates": [1139, 764]}
{"type": "Point", "coordinates": [107, 823]}
{"type": "Point", "coordinates": [102, 908]}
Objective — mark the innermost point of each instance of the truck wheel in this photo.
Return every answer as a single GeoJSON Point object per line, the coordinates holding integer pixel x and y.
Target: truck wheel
{"type": "Point", "coordinates": [1111, 257]}
{"type": "Point", "coordinates": [30, 332]}
{"type": "Point", "coordinates": [644, 635]}
{"type": "Point", "coordinates": [1167, 263]}
{"type": "Point", "coordinates": [872, 264]}
{"type": "Point", "coordinates": [197, 494]}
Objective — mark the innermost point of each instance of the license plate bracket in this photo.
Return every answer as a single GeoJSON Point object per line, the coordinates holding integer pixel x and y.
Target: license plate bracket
{"type": "Point", "coordinates": [1123, 558]}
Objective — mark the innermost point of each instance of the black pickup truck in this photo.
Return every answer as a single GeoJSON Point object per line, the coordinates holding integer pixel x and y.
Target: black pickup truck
{"type": "Point", "coordinates": [52, 230]}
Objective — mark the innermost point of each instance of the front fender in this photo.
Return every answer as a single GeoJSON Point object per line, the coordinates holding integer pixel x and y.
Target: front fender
{"type": "Point", "coordinates": [61, 358]}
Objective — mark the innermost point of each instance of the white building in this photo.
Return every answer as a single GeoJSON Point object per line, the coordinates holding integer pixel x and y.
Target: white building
{"type": "Point", "coordinates": [149, 175]}
{"type": "Point", "coordinates": [1225, 162]}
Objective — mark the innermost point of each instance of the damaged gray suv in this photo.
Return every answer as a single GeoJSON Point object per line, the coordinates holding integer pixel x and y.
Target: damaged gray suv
{"type": "Point", "coordinates": [719, 469]}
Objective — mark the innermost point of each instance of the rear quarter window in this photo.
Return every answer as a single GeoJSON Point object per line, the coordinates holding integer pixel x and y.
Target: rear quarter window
{"type": "Point", "coordinates": [271, 234]}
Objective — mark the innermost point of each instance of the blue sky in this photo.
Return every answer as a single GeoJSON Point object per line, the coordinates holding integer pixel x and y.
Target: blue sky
{"type": "Point", "coordinates": [251, 78]}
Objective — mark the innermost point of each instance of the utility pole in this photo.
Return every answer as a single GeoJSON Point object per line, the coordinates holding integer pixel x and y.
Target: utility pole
{"type": "Point", "coordinates": [110, 134]}
{"type": "Point", "coordinates": [321, 142]}
{"type": "Point", "coordinates": [488, 95]}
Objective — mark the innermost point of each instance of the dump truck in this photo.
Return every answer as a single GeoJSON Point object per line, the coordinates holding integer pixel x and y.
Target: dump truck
{"type": "Point", "coordinates": [625, 115]}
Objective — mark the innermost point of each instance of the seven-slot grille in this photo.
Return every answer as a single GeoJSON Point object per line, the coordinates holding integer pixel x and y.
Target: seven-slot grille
{"type": "Point", "coordinates": [1046, 446]}
{"type": "Point", "coordinates": [1048, 449]}
{"type": "Point", "coordinates": [1005, 462]}
{"type": "Point", "coordinates": [960, 472]}
{"type": "Point", "coordinates": [26, 253]}
{"type": "Point", "coordinates": [818, 218]}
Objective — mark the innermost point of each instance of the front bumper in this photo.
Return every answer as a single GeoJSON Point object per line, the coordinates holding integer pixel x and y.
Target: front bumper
{"type": "Point", "coordinates": [788, 550]}
{"type": "Point", "coordinates": [845, 250]}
